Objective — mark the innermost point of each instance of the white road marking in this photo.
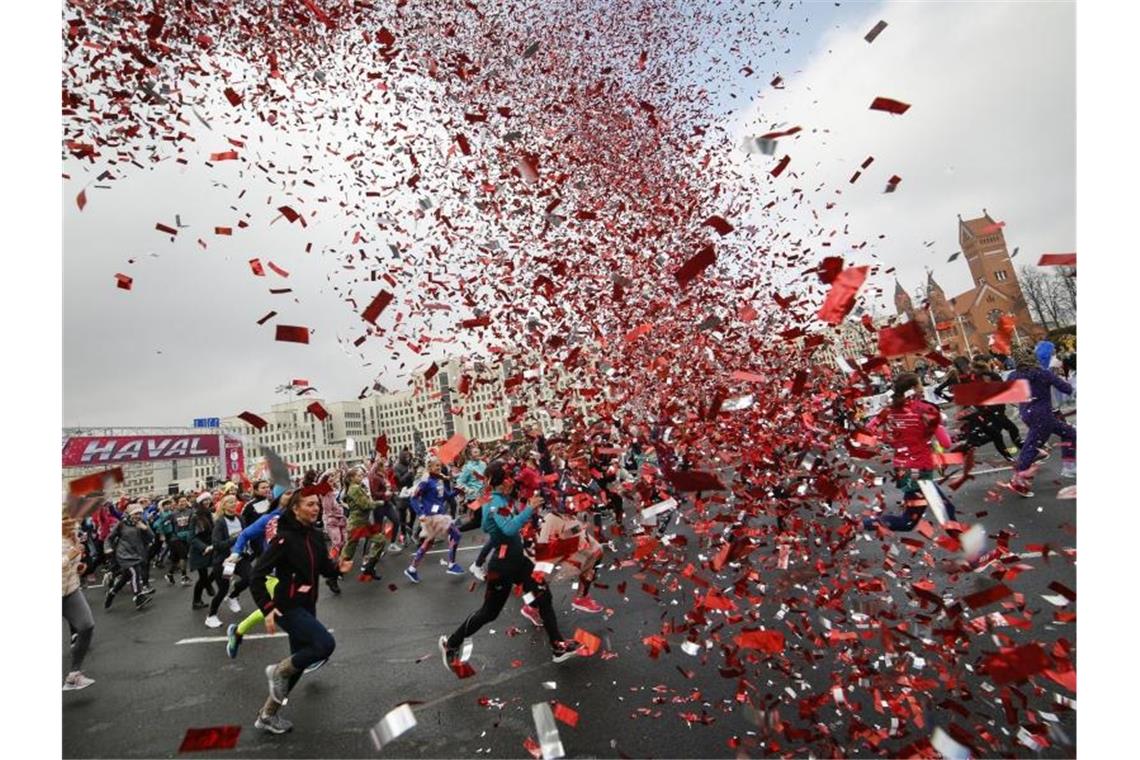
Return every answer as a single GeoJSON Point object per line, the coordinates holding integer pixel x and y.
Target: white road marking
{"type": "Point", "coordinates": [222, 639]}
{"type": "Point", "coordinates": [460, 549]}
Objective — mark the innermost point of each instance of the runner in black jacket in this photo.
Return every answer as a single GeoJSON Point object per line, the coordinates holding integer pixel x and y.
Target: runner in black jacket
{"type": "Point", "coordinates": [297, 555]}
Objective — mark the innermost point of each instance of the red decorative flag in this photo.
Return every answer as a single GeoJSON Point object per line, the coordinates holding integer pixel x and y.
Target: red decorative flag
{"type": "Point", "coordinates": [376, 308]}
{"type": "Point", "coordinates": [216, 737]}
{"type": "Point", "coordinates": [889, 105]}
{"type": "Point", "coordinates": [694, 266]}
{"type": "Point", "coordinates": [253, 419]}
{"type": "Point", "coordinates": [905, 339]}
{"type": "Point", "coordinates": [991, 393]}
{"type": "Point", "coordinates": [841, 298]}
{"type": "Point", "coordinates": [292, 334]}
{"type": "Point", "coordinates": [317, 411]}
{"type": "Point", "coordinates": [96, 481]}
{"type": "Point", "coordinates": [1058, 260]}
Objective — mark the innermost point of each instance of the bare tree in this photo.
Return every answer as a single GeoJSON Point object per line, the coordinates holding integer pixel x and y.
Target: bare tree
{"type": "Point", "coordinates": [1066, 286]}
{"type": "Point", "coordinates": [1035, 285]}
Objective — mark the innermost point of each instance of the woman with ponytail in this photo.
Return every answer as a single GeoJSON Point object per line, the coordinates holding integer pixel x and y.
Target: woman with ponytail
{"type": "Point", "coordinates": [908, 424]}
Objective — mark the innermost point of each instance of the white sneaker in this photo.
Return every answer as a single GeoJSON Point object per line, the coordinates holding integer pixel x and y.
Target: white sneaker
{"type": "Point", "coordinates": [213, 622]}
{"type": "Point", "coordinates": [76, 680]}
{"type": "Point", "coordinates": [1069, 469]}
{"type": "Point", "coordinates": [235, 605]}
{"type": "Point", "coordinates": [478, 572]}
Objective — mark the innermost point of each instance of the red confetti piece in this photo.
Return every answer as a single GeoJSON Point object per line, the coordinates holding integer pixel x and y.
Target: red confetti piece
{"type": "Point", "coordinates": [889, 105]}
{"type": "Point", "coordinates": [317, 411]}
{"type": "Point", "coordinates": [223, 231]}
{"type": "Point", "coordinates": [1017, 664]}
{"type": "Point", "coordinates": [841, 298]}
{"type": "Point", "coordinates": [452, 448]}
{"type": "Point", "coordinates": [165, 228]}
{"type": "Point", "coordinates": [462, 669]}
{"type": "Point", "coordinates": [994, 593]}
{"type": "Point", "coordinates": [771, 642]}
{"type": "Point", "coordinates": [232, 96]}
{"type": "Point", "coordinates": [226, 155]}
{"type": "Point", "coordinates": [695, 480]}
{"type": "Point", "coordinates": [376, 308]}
{"type": "Point", "coordinates": [81, 199]}
{"type": "Point", "coordinates": [1058, 260]}
{"type": "Point", "coordinates": [277, 269]}
{"type": "Point", "coordinates": [567, 715]}
{"type": "Point", "coordinates": [124, 281]}
{"type": "Point", "coordinates": [904, 339]}
{"type": "Point", "coordinates": [779, 169]}
{"type": "Point", "coordinates": [292, 334]}
{"type": "Point", "coordinates": [217, 737]}
{"type": "Point", "coordinates": [253, 419]}
{"type": "Point", "coordinates": [267, 317]}
{"type": "Point", "coordinates": [988, 393]}
{"type": "Point", "coordinates": [719, 224]}
{"type": "Point", "coordinates": [694, 266]}
{"type": "Point", "coordinates": [255, 266]}
{"type": "Point", "coordinates": [876, 30]}
{"type": "Point", "coordinates": [469, 324]}
{"type": "Point", "coordinates": [590, 643]}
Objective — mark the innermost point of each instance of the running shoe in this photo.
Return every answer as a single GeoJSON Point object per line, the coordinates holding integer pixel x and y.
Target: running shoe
{"type": "Point", "coordinates": [233, 641]}
{"type": "Point", "coordinates": [198, 605]}
{"type": "Point", "coordinates": [531, 614]}
{"type": "Point", "coordinates": [394, 548]}
{"type": "Point", "coordinates": [586, 604]}
{"type": "Point", "coordinates": [169, 578]}
{"type": "Point", "coordinates": [141, 601]}
{"type": "Point", "coordinates": [274, 724]}
{"type": "Point", "coordinates": [108, 599]}
{"type": "Point", "coordinates": [333, 584]}
{"type": "Point", "coordinates": [186, 580]}
{"type": "Point", "coordinates": [147, 590]}
{"type": "Point", "coordinates": [564, 650]}
{"type": "Point", "coordinates": [1020, 488]}
{"type": "Point", "coordinates": [449, 655]}
{"type": "Point", "coordinates": [278, 685]}
{"type": "Point", "coordinates": [76, 680]}
{"type": "Point", "coordinates": [213, 622]}
{"type": "Point", "coordinates": [456, 569]}
{"type": "Point", "coordinates": [478, 571]}
{"type": "Point", "coordinates": [316, 665]}
{"type": "Point", "coordinates": [1068, 469]}
{"type": "Point", "coordinates": [413, 576]}
{"type": "Point", "coordinates": [235, 605]}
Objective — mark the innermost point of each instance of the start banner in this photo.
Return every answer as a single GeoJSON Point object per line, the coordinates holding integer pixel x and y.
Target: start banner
{"type": "Point", "coordinates": [121, 449]}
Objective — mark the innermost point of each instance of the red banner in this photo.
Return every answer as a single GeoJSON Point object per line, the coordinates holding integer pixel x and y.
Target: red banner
{"type": "Point", "coordinates": [122, 449]}
{"type": "Point", "coordinates": [235, 458]}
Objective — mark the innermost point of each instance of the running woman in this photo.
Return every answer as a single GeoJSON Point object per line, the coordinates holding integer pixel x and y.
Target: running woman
{"type": "Point", "coordinates": [574, 527]}
{"type": "Point", "coordinates": [75, 607]}
{"type": "Point", "coordinates": [1043, 423]}
{"type": "Point", "coordinates": [508, 566]}
{"type": "Point", "coordinates": [429, 500]}
{"type": "Point", "coordinates": [227, 527]}
{"type": "Point", "coordinates": [332, 515]}
{"type": "Point", "coordinates": [182, 530]}
{"type": "Point", "coordinates": [297, 555]}
{"type": "Point", "coordinates": [359, 521]}
{"type": "Point", "coordinates": [201, 547]}
{"type": "Point", "coordinates": [909, 423]}
{"type": "Point", "coordinates": [129, 541]}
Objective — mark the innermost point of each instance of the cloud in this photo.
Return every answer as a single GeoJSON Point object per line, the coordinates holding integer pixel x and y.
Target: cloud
{"type": "Point", "coordinates": [991, 124]}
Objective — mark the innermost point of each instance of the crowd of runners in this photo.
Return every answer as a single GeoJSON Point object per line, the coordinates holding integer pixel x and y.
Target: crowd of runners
{"type": "Point", "coordinates": [541, 509]}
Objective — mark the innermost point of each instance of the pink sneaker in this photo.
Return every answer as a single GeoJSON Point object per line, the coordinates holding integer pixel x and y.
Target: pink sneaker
{"type": "Point", "coordinates": [531, 614]}
{"type": "Point", "coordinates": [586, 604]}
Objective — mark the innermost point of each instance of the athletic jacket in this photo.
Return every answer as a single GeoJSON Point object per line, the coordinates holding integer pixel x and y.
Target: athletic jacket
{"type": "Point", "coordinates": [129, 543]}
{"type": "Point", "coordinates": [909, 429]}
{"type": "Point", "coordinates": [182, 521]}
{"type": "Point", "coordinates": [255, 533]}
{"type": "Point", "coordinates": [503, 527]}
{"type": "Point", "coordinates": [357, 499]}
{"type": "Point", "coordinates": [298, 555]}
{"type": "Point", "coordinates": [1041, 381]}
{"type": "Point", "coordinates": [470, 478]}
{"type": "Point", "coordinates": [431, 495]}
{"type": "Point", "coordinates": [221, 539]}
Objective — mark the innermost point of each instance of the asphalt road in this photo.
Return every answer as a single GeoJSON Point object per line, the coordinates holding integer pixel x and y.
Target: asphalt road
{"type": "Point", "coordinates": [160, 671]}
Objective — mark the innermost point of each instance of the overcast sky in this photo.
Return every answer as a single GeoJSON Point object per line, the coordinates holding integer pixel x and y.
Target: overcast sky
{"type": "Point", "coordinates": [992, 124]}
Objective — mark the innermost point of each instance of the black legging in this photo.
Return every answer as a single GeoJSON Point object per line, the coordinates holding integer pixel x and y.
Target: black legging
{"type": "Point", "coordinates": [202, 584]}
{"type": "Point", "coordinates": [501, 577]}
{"type": "Point", "coordinates": [223, 584]}
{"type": "Point", "coordinates": [404, 507]}
{"type": "Point", "coordinates": [241, 571]}
{"type": "Point", "coordinates": [132, 573]}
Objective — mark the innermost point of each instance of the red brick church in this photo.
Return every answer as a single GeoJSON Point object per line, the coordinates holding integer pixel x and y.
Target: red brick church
{"type": "Point", "coordinates": [962, 325]}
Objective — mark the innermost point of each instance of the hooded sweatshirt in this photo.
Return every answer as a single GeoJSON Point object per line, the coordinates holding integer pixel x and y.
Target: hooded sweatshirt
{"type": "Point", "coordinates": [129, 542]}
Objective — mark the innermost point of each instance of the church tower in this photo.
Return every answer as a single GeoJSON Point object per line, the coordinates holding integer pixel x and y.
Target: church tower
{"type": "Point", "coordinates": [903, 304]}
{"type": "Point", "coordinates": [941, 308]}
{"type": "Point", "coordinates": [983, 245]}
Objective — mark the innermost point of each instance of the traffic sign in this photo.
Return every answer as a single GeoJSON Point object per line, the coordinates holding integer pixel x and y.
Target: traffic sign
{"type": "Point", "coordinates": [207, 422]}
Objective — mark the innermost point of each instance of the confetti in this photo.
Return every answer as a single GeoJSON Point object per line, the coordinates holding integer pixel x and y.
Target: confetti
{"type": "Point", "coordinates": [203, 739]}
{"type": "Point", "coordinates": [694, 266]}
{"type": "Point", "coordinates": [902, 340]}
{"type": "Point", "coordinates": [548, 739]}
{"type": "Point", "coordinates": [96, 481]}
{"type": "Point", "coordinates": [292, 334]}
{"type": "Point", "coordinates": [889, 105]}
{"type": "Point", "coordinates": [841, 298]}
{"type": "Point", "coordinates": [396, 723]}
{"type": "Point", "coordinates": [253, 420]}
{"type": "Point", "coordinates": [123, 281]}
{"type": "Point", "coordinates": [317, 411]}
{"type": "Point", "coordinates": [1057, 260]}
{"type": "Point", "coordinates": [876, 30]}
{"type": "Point", "coordinates": [990, 393]}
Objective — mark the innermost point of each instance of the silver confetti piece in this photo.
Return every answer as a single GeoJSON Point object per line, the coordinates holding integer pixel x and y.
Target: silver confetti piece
{"type": "Point", "coordinates": [392, 725]}
{"type": "Point", "coordinates": [548, 738]}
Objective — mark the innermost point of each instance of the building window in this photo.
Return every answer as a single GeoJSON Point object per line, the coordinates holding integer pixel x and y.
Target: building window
{"type": "Point", "coordinates": [999, 275]}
